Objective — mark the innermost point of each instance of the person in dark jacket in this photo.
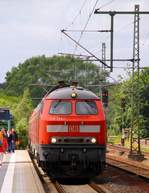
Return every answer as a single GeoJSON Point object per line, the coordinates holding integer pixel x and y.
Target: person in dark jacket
{"type": "Point", "coordinates": [14, 139]}
{"type": "Point", "coordinates": [9, 134]}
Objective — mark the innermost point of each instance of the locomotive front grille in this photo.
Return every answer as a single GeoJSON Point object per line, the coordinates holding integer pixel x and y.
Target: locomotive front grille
{"type": "Point", "coordinates": [73, 140]}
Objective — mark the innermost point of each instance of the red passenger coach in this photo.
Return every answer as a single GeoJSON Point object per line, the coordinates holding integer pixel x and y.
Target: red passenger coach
{"type": "Point", "coordinates": [67, 133]}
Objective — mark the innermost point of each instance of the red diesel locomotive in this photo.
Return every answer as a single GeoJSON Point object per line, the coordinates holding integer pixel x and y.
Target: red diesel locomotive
{"type": "Point", "coordinates": [67, 133]}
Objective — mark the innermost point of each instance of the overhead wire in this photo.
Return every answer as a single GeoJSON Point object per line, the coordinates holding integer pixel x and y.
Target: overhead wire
{"type": "Point", "coordinates": [122, 27]}
{"type": "Point", "coordinates": [86, 24]}
{"type": "Point", "coordinates": [116, 31]}
{"type": "Point", "coordinates": [130, 23]}
{"type": "Point", "coordinates": [104, 5]}
{"type": "Point", "coordinates": [74, 19]}
{"type": "Point", "coordinates": [87, 19]}
{"type": "Point", "coordinates": [78, 14]}
{"type": "Point", "coordinates": [82, 31]}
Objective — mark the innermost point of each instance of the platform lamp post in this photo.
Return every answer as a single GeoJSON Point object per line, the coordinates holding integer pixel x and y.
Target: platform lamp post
{"type": "Point", "coordinates": [9, 124]}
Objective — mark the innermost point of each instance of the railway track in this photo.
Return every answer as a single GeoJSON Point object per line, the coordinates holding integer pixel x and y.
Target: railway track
{"type": "Point", "coordinates": [86, 188]}
{"type": "Point", "coordinates": [53, 186]}
{"type": "Point", "coordinates": [121, 148]}
{"type": "Point", "coordinates": [127, 164]}
{"type": "Point", "coordinates": [99, 188]}
{"type": "Point", "coordinates": [112, 180]}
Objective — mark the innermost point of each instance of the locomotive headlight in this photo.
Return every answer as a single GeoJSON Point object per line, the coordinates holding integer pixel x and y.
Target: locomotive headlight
{"type": "Point", "coordinates": [93, 140]}
{"type": "Point", "coordinates": [53, 140]}
{"type": "Point", "coordinates": [74, 95]}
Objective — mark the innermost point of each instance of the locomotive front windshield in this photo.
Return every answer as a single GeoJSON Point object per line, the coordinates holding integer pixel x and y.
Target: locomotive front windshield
{"type": "Point", "coordinates": [60, 107]}
{"type": "Point", "coordinates": [86, 108]}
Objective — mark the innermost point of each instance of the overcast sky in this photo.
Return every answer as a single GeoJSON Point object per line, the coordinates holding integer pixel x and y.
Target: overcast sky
{"type": "Point", "coordinates": [32, 27]}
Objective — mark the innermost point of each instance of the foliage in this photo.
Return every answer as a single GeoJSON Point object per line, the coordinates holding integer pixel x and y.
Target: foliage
{"type": "Point", "coordinates": [144, 96]}
{"type": "Point", "coordinates": [20, 108]}
{"type": "Point", "coordinates": [8, 102]}
{"type": "Point", "coordinates": [21, 115]}
{"type": "Point", "coordinates": [124, 90]}
{"type": "Point", "coordinates": [48, 71]}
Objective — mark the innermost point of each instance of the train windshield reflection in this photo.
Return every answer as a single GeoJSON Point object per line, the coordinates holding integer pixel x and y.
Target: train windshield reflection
{"type": "Point", "coordinates": [60, 107]}
{"type": "Point", "coordinates": [86, 108]}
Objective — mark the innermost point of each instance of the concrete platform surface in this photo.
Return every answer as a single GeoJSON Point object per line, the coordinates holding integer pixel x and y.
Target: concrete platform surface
{"type": "Point", "coordinates": [17, 174]}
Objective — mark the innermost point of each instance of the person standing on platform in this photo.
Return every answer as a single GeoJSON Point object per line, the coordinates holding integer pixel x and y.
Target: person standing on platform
{"type": "Point", "coordinates": [1, 148]}
{"type": "Point", "coordinates": [9, 133]}
{"type": "Point", "coordinates": [14, 139]}
{"type": "Point", "coordinates": [5, 140]}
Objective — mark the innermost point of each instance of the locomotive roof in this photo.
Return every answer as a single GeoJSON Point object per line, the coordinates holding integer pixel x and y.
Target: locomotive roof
{"type": "Point", "coordinates": [65, 93]}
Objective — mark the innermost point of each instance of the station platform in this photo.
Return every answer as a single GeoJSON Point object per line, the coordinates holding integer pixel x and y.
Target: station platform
{"type": "Point", "coordinates": [17, 174]}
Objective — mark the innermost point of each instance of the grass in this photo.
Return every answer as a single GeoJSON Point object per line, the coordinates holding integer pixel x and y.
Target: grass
{"type": "Point", "coordinates": [115, 140]}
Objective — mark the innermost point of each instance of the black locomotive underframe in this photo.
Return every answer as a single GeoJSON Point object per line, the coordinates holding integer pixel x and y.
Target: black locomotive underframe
{"type": "Point", "coordinates": [80, 159]}
{"type": "Point", "coordinates": [66, 153]}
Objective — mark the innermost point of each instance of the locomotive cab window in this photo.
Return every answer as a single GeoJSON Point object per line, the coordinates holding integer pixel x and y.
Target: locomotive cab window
{"type": "Point", "coordinates": [60, 107]}
{"type": "Point", "coordinates": [86, 108]}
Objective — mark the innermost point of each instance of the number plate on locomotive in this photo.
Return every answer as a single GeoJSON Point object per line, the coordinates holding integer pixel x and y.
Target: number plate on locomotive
{"type": "Point", "coordinates": [73, 128]}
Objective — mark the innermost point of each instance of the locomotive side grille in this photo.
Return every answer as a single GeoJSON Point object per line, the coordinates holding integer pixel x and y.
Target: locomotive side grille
{"type": "Point", "coordinates": [57, 128]}
{"type": "Point", "coordinates": [89, 128]}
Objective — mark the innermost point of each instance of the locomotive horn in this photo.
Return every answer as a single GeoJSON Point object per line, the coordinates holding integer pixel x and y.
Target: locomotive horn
{"type": "Point", "coordinates": [61, 83]}
{"type": "Point", "coordinates": [74, 83]}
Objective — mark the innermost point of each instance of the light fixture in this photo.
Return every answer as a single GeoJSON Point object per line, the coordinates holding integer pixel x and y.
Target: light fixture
{"type": "Point", "coordinates": [53, 140]}
{"type": "Point", "coordinates": [74, 95]}
{"type": "Point", "coordinates": [93, 140]}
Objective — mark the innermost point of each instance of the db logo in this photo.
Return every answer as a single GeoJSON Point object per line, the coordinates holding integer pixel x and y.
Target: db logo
{"type": "Point", "coordinates": [73, 128]}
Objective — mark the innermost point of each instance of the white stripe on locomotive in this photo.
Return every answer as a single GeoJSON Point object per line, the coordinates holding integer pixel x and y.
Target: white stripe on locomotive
{"type": "Point", "coordinates": [83, 128]}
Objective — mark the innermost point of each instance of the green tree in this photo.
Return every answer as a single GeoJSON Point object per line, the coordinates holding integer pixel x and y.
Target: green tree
{"type": "Point", "coordinates": [144, 97]}
{"type": "Point", "coordinates": [123, 90]}
{"type": "Point", "coordinates": [48, 71]}
{"type": "Point", "coordinates": [21, 116]}
{"type": "Point", "coordinates": [9, 102]}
